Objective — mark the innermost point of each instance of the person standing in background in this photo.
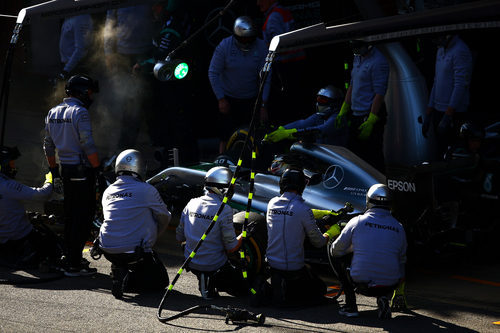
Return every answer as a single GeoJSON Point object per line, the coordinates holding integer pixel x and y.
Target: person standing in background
{"type": "Point", "coordinates": [364, 104]}
{"type": "Point", "coordinates": [287, 97]}
{"type": "Point", "coordinates": [127, 41]}
{"type": "Point", "coordinates": [449, 98]}
{"type": "Point", "coordinates": [74, 43]}
{"type": "Point", "coordinates": [234, 76]}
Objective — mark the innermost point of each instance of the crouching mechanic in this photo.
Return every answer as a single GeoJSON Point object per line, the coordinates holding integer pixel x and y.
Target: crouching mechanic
{"type": "Point", "coordinates": [210, 263]}
{"type": "Point", "coordinates": [373, 245]}
{"type": "Point", "coordinates": [21, 243]}
{"type": "Point", "coordinates": [289, 221]}
{"type": "Point", "coordinates": [134, 217]}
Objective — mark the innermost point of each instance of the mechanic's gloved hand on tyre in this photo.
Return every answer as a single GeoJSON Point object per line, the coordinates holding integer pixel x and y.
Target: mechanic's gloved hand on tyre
{"type": "Point", "coordinates": [333, 232]}
{"type": "Point", "coordinates": [320, 213]}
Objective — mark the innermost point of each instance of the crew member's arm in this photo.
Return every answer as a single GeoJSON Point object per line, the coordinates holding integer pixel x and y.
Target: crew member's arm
{"type": "Point", "coordinates": [378, 100]}
{"type": "Point", "coordinates": [161, 213]}
{"type": "Point", "coordinates": [18, 191]}
{"type": "Point", "coordinates": [462, 70]}
{"type": "Point", "coordinates": [231, 242]}
{"type": "Point", "coordinates": [84, 128]}
{"type": "Point", "coordinates": [214, 75]}
{"type": "Point", "coordinates": [179, 231]}
{"type": "Point", "coordinates": [49, 149]}
{"type": "Point", "coordinates": [380, 79]}
{"type": "Point", "coordinates": [343, 244]}
{"type": "Point", "coordinates": [312, 231]}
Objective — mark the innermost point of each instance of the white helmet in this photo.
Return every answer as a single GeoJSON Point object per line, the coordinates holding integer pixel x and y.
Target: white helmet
{"type": "Point", "coordinates": [378, 195]}
{"type": "Point", "coordinates": [218, 179]}
{"type": "Point", "coordinates": [130, 161]}
{"type": "Point", "coordinates": [329, 100]}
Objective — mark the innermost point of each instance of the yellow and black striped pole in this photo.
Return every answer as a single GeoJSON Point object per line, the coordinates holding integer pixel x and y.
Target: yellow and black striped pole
{"type": "Point", "coordinates": [245, 222]}
{"type": "Point", "coordinates": [265, 72]}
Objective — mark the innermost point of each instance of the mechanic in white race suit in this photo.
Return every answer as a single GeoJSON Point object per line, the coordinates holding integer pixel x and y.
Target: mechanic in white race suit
{"type": "Point", "coordinates": [289, 221]}
{"type": "Point", "coordinates": [211, 263]}
{"type": "Point", "coordinates": [134, 217]}
{"type": "Point", "coordinates": [373, 245]}
{"type": "Point", "coordinates": [21, 243]}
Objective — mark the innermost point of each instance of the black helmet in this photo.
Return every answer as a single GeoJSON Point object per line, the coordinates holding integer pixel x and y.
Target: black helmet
{"type": "Point", "coordinates": [80, 85]}
{"type": "Point", "coordinates": [471, 131]}
{"type": "Point", "coordinates": [359, 47]}
{"type": "Point", "coordinates": [8, 154]}
{"type": "Point", "coordinates": [292, 179]}
{"type": "Point", "coordinates": [244, 32]}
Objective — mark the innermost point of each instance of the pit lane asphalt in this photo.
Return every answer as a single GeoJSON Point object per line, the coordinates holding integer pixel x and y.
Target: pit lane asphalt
{"type": "Point", "coordinates": [461, 298]}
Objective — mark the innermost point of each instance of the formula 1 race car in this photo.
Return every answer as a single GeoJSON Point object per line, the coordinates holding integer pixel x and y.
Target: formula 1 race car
{"type": "Point", "coordinates": [338, 181]}
{"type": "Point", "coordinates": [438, 224]}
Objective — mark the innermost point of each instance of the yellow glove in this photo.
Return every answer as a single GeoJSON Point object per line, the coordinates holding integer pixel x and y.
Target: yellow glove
{"type": "Point", "coordinates": [366, 128]}
{"type": "Point", "coordinates": [333, 232]}
{"type": "Point", "coordinates": [269, 135]}
{"type": "Point", "coordinates": [280, 134]}
{"type": "Point", "coordinates": [320, 213]}
{"type": "Point", "coordinates": [48, 178]}
{"type": "Point", "coordinates": [343, 111]}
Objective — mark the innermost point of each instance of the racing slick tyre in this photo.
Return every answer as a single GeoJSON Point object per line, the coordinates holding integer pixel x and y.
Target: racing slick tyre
{"type": "Point", "coordinates": [256, 241]}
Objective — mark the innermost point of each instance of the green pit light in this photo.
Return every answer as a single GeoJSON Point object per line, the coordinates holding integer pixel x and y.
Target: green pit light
{"type": "Point", "coordinates": [181, 70]}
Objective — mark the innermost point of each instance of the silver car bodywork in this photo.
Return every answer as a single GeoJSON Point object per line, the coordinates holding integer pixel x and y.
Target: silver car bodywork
{"type": "Point", "coordinates": [337, 176]}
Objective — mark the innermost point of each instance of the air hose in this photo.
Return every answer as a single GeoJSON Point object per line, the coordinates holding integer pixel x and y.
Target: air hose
{"type": "Point", "coordinates": [233, 313]}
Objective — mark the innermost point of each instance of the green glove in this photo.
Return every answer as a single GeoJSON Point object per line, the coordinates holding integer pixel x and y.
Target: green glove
{"type": "Point", "coordinates": [48, 178]}
{"type": "Point", "coordinates": [366, 128]}
{"type": "Point", "coordinates": [333, 232]}
{"type": "Point", "coordinates": [343, 111]}
{"type": "Point", "coordinates": [280, 134]}
{"type": "Point", "coordinates": [320, 213]}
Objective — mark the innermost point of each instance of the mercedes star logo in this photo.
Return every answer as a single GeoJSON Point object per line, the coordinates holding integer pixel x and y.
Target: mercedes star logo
{"type": "Point", "coordinates": [333, 176]}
